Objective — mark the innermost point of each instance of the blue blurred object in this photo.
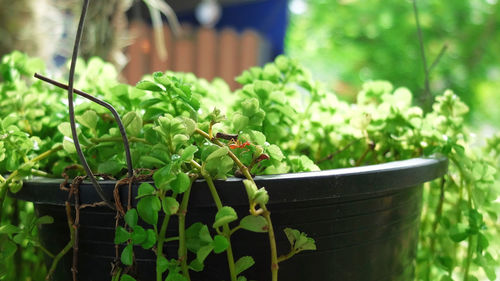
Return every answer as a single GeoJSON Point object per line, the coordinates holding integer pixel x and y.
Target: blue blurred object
{"type": "Point", "coordinates": [268, 17]}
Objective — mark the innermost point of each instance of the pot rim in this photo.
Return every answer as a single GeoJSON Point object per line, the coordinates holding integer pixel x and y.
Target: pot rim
{"type": "Point", "coordinates": [369, 180]}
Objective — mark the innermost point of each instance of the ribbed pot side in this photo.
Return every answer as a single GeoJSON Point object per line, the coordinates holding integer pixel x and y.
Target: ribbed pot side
{"type": "Point", "coordinates": [365, 222]}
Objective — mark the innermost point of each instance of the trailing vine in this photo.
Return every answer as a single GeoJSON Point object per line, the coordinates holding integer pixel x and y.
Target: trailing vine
{"type": "Point", "coordinates": [176, 133]}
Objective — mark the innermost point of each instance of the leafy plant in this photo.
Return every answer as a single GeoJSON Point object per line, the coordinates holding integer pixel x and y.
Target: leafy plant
{"type": "Point", "coordinates": [281, 120]}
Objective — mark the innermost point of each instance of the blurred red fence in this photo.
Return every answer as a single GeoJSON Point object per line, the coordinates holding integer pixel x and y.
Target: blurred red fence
{"type": "Point", "coordinates": [206, 52]}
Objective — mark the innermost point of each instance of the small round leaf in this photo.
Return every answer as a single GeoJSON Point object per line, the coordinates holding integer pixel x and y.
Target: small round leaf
{"type": "Point", "coordinates": [170, 205]}
{"type": "Point", "coordinates": [131, 217]}
{"type": "Point", "coordinates": [224, 216]}
{"type": "Point", "coordinates": [127, 255]}
{"type": "Point", "coordinates": [254, 223]}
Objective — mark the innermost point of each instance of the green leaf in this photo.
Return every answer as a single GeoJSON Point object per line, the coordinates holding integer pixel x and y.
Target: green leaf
{"type": "Point", "coordinates": [263, 89]}
{"type": "Point", "coordinates": [256, 137]}
{"type": "Point", "coordinates": [190, 126]}
{"type": "Point", "coordinates": [196, 265]}
{"type": "Point", "coordinates": [132, 123]}
{"type": "Point", "coordinates": [188, 153]}
{"type": "Point", "coordinates": [127, 256]}
{"type": "Point", "coordinates": [25, 169]}
{"type": "Point", "coordinates": [139, 235]}
{"type": "Point", "coordinates": [446, 262]}
{"type": "Point", "coordinates": [193, 241]}
{"type": "Point", "coordinates": [207, 149]}
{"type": "Point", "coordinates": [170, 205]}
{"type": "Point", "coordinates": [472, 278]}
{"type": "Point", "coordinates": [458, 232]}
{"type": "Point", "coordinates": [145, 189]}
{"type": "Point", "coordinates": [8, 249]}
{"type": "Point", "coordinates": [131, 217]}
{"type": "Point", "coordinates": [224, 216]}
{"type": "Point", "coordinates": [148, 208]}
{"type": "Point", "coordinates": [271, 72]}
{"type": "Point", "coordinates": [163, 264]}
{"type": "Point", "coordinates": [175, 276]}
{"type": "Point", "coordinates": [303, 163]}
{"type": "Point", "coordinates": [89, 119]}
{"type": "Point", "coordinates": [148, 86]}
{"type": "Point", "coordinates": [110, 167]}
{"type": "Point", "coordinates": [203, 253]}
{"type": "Point", "coordinates": [15, 186]}
{"type": "Point", "coordinates": [204, 234]}
{"type": "Point", "coordinates": [261, 196]}
{"type": "Point", "coordinates": [243, 264]}
{"type": "Point", "coordinates": [251, 188]}
{"type": "Point", "coordinates": [179, 139]}
{"type": "Point", "coordinates": [254, 223]}
{"type": "Point", "coordinates": [240, 122]}
{"type": "Point", "coordinates": [218, 163]}
{"type": "Point", "coordinates": [490, 272]}
{"type": "Point", "coordinates": [121, 235]}
{"type": "Point", "coordinates": [162, 78]}
{"type": "Point", "coordinates": [482, 242]}
{"type": "Point", "coordinates": [9, 229]}
{"type": "Point", "coordinates": [152, 161]}
{"type": "Point", "coordinates": [126, 277]}
{"type": "Point", "coordinates": [220, 244]}
{"type": "Point", "coordinates": [241, 278]}
{"type": "Point", "coordinates": [163, 177]}
{"type": "Point", "coordinates": [152, 113]}
{"type": "Point", "coordinates": [275, 152]}
{"type": "Point", "coordinates": [45, 220]}
{"type": "Point", "coordinates": [299, 240]}
{"type": "Point", "coordinates": [181, 183]}
{"type": "Point", "coordinates": [217, 154]}
{"type": "Point", "coordinates": [20, 237]}
{"type": "Point", "coordinates": [150, 239]}
{"type": "Point", "coordinates": [69, 145]}
{"type": "Point", "coordinates": [65, 129]}
{"type": "Point", "coordinates": [446, 278]}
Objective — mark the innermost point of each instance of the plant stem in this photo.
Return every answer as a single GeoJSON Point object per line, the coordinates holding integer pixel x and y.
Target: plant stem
{"type": "Point", "coordinates": [45, 250]}
{"type": "Point", "coordinates": [40, 173]}
{"type": "Point", "coordinates": [438, 58]}
{"type": "Point", "coordinates": [4, 185]}
{"type": "Point", "coordinates": [437, 218]}
{"type": "Point", "coordinates": [470, 247]}
{"type": "Point", "coordinates": [287, 256]}
{"type": "Point", "coordinates": [213, 190]}
{"type": "Point", "coordinates": [468, 259]}
{"type": "Point", "coordinates": [159, 246]}
{"type": "Point", "coordinates": [170, 239]}
{"type": "Point", "coordinates": [272, 243]}
{"type": "Point", "coordinates": [182, 252]}
{"type": "Point", "coordinates": [235, 229]}
{"type": "Point", "coordinates": [67, 247]}
{"type": "Point", "coordinates": [236, 160]}
{"type": "Point", "coordinates": [225, 227]}
{"type": "Point", "coordinates": [331, 155]}
{"type": "Point", "coordinates": [266, 214]}
{"type": "Point", "coordinates": [427, 93]}
{"type": "Point", "coordinates": [46, 153]}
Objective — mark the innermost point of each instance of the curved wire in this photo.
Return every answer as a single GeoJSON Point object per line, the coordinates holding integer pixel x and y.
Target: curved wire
{"type": "Point", "coordinates": [74, 134]}
{"type": "Point", "coordinates": [113, 111]}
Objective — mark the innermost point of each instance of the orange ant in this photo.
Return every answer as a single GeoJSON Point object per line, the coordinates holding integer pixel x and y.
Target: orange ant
{"type": "Point", "coordinates": [233, 140]}
{"type": "Point", "coordinates": [233, 144]}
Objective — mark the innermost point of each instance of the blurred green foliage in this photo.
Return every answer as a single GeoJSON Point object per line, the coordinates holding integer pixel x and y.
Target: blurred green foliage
{"type": "Point", "coordinates": [348, 42]}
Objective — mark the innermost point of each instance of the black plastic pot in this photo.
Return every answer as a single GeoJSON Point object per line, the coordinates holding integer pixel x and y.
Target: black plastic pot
{"type": "Point", "coordinates": [365, 222]}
